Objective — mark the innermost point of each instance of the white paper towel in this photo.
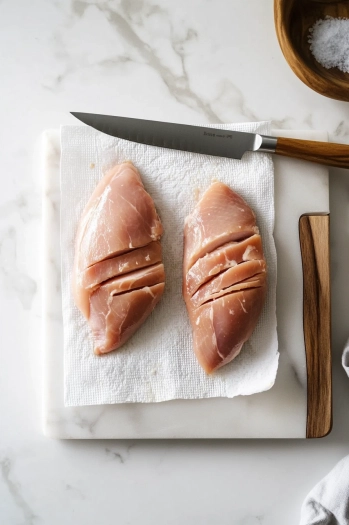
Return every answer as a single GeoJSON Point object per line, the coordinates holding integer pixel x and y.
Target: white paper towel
{"type": "Point", "coordinates": [157, 363]}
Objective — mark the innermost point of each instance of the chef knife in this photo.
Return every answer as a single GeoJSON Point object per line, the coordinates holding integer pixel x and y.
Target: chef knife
{"type": "Point", "coordinates": [213, 141]}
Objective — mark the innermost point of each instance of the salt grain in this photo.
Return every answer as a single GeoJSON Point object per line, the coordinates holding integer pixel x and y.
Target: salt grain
{"type": "Point", "coordinates": [329, 42]}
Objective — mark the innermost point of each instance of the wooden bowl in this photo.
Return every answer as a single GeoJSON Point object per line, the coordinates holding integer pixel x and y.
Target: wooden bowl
{"type": "Point", "coordinates": [293, 19]}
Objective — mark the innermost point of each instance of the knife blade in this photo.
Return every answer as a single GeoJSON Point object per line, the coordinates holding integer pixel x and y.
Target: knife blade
{"type": "Point", "coordinates": [214, 141]}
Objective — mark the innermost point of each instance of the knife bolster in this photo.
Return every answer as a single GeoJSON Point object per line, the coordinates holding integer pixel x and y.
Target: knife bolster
{"type": "Point", "coordinates": [268, 144]}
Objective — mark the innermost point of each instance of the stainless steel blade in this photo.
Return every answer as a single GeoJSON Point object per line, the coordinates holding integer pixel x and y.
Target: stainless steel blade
{"type": "Point", "coordinates": [196, 139]}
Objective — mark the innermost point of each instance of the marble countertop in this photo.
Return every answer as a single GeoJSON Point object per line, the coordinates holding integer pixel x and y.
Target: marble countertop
{"type": "Point", "coordinates": [200, 61]}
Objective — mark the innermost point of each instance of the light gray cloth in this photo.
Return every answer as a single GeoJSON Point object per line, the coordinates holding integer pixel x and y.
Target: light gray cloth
{"type": "Point", "coordinates": [345, 358]}
{"type": "Point", "coordinates": [328, 502]}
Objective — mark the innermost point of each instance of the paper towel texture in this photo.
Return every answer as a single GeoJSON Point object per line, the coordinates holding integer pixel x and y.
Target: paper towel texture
{"type": "Point", "coordinates": [158, 363]}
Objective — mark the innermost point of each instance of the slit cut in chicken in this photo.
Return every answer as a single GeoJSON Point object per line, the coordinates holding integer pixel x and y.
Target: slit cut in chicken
{"type": "Point", "coordinates": [118, 276]}
{"type": "Point", "coordinates": [224, 275]}
{"type": "Point", "coordinates": [221, 259]}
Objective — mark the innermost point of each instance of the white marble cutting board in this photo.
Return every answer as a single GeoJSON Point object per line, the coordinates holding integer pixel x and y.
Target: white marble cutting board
{"type": "Point", "coordinates": [300, 187]}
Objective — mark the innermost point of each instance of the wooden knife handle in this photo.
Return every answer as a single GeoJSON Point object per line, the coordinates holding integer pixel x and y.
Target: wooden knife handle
{"type": "Point", "coordinates": [314, 242]}
{"type": "Point", "coordinates": [326, 153]}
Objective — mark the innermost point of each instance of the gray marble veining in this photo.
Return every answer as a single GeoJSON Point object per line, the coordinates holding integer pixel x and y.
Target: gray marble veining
{"type": "Point", "coordinates": [15, 491]}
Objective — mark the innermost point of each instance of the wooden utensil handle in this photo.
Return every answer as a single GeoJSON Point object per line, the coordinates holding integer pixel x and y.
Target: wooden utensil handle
{"type": "Point", "coordinates": [314, 242]}
{"type": "Point", "coordinates": [321, 152]}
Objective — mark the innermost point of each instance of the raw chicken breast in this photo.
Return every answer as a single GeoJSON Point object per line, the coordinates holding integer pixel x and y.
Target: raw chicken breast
{"type": "Point", "coordinates": [224, 282]}
{"type": "Point", "coordinates": [90, 278]}
{"type": "Point", "coordinates": [238, 275]}
{"type": "Point", "coordinates": [223, 325]}
{"type": "Point", "coordinates": [114, 319]}
{"type": "Point", "coordinates": [221, 216]}
{"type": "Point", "coordinates": [119, 217]}
{"type": "Point", "coordinates": [222, 258]}
{"type": "Point", "coordinates": [118, 276]}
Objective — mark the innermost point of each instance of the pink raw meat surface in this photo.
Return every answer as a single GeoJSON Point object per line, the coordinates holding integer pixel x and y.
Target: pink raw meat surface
{"type": "Point", "coordinates": [224, 281]}
{"type": "Point", "coordinates": [118, 276]}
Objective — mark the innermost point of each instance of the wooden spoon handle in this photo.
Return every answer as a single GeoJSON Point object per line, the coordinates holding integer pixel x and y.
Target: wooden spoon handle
{"type": "Point", "coordinates": [314, 241]}
{"type": "Point", "coordinates": [321, 152]}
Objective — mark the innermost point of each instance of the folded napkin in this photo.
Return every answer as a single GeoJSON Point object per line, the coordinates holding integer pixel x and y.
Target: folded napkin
{"type": "Point", "coordinates": [328, 502]}
{"type": "Point", "coordinates": [345, 358]}
{"type": "Point", "coordinates": [158, 363]}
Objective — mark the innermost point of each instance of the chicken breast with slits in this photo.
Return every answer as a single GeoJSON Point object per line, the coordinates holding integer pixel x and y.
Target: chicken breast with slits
{"type": "Point", "coordinates": [118, 276]}
{"type": "Point", "coordinates": [224, 275]}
